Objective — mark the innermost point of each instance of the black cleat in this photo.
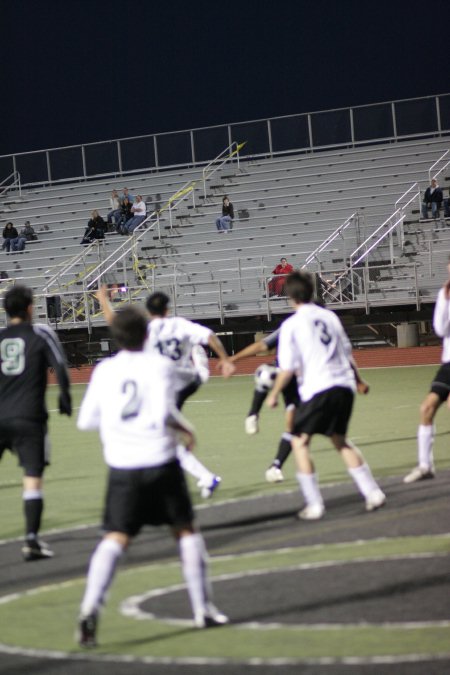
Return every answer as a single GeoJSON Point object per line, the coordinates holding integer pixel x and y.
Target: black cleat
{"type": "Point", "coordinates": [87, 629]}
{"type": "Point", "coordinates": [34, 549]}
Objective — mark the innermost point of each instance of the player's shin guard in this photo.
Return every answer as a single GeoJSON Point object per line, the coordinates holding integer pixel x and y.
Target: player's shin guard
{"type": "Point", "coordinates": [309, 485]}
{"type": "Point", "coordinates": [100, 575]}
{"type": "Point", "coordinates": [284, 450]}
{"type": "Point", "coordinates": [193, 561]}
{"type": "Point", "coordinates": [258, 399]}
{"type": "Point", "coordinates": [425, 440]}
{"type": "Point", "coordinates": [365, 482]}
{"type": "Point", "coordinates": [33, 505]}
{"type": "Point", "coordinates": [192, 465]}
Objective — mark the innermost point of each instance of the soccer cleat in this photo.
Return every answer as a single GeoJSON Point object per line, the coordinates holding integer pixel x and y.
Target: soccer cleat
{"type": "Point", "coordinates": [312, 512]}
{"type": "Point", "coordinates": [207, 490]}
{"type": "Point", "coordinates": [274, 475]}
{"type": "Point", "coordinates": [251, 425]}
{"type": "Point", "coordinates": [87, 629]}
{"type": "Point", "coordinates": [375, 500]}
{"type": "Point", "coordinates": [210, 617]}
{"type": "Point", "coordinates": [419, 473]}
{"type": "Point", "coordinates": [34, 549]}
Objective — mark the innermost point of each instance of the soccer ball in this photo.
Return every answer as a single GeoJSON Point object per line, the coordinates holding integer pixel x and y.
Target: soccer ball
{"type": "Point", "coordinates": [265, 377]}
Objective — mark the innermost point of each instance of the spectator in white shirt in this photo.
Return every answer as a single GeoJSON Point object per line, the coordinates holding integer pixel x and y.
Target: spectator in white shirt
{"type": "Point", "coordinates": [115, 213]}
{"type": "Point", "coordinates": [139, 211]}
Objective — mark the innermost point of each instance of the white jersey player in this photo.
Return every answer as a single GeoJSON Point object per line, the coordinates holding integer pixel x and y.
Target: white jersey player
{"type": "Point", "coordinates": [130, 401]}
{"type": "Point", "coordinates": [313, 345]}
{"type": "Point", "coordinates": [439, 390]}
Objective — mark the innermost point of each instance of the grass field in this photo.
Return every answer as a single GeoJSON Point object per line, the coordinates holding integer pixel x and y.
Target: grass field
{"type": "Point", "coordinates": [384, 426]}
{"type": "Point", "coordinates": [40, 613]}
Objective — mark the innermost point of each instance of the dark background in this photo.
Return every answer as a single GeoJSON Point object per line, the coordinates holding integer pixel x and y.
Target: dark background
{"type": "Point", "coordinates": [86, 70]}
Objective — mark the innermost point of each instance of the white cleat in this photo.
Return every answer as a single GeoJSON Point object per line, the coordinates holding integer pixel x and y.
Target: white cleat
{"type": "Point", "coordinates": [207, 489]}
{"type": "Point", "coordinates": [274, 475]}
{"type": "Point", "coordinates": [419, 473]}
{"type": "Point", "coordinates": [251, 425]}
{"type": "Point", "coordinates": [312, 512]}
{"type": "Point", "coordinates": [375, 500]}
{"type": "Point", "coordinates": [210, 617]}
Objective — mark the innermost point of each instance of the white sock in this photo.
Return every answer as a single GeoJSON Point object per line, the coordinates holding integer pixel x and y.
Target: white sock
{"type": "Point", "coordinates": [193, 562]}
{"type": "Point", "coordinates": [364, 480]}
{"type": "Point", "coordinates": [425, 439]}
{"type": "Point", "coordinates": [309, 484]}
{"type": "Point", "coordinates": [192, 465]}
{"type": "Point", "coordinates": [100, 575]}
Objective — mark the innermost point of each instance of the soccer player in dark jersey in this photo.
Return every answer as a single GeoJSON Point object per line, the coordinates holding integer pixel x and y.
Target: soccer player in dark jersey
{"type": "Point", "coordinates": [26, 353]}
{"type": "Point", "coordinates": [291, 401]}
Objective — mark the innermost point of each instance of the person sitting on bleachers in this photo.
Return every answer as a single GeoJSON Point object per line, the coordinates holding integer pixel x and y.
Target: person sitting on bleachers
{"type": "Point", "coordinates": [28, 232]}
{"type": "Point", "coordinates": [276, 284]}
{"type": "Point", "coordinates": [225, 222]}
{"type": "Point", "coordinates": [125, 214]}
{"type": "Point", "coordinates": [116, 212]}
{"type": "Point", "coordinates": [95, 229]}
{"type": "Point", "coordinates": [139, 211]}
{"type": "Point", "coordinates": [433, 199]}
{"type": "Point", "coordinates": [126, 195]}
{"type": "Point", "coordinates": [12, 241]}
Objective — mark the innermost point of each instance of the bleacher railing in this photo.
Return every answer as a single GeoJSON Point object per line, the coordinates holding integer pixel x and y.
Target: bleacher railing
{"type": "Point", "coordinates": [439, 166]}
{"type": "Point", "coordinates": [218, 162]}
{"type": "Point", "coordinates": [10, 183]}
{"type": "Point", "coordinates": [341, 127]}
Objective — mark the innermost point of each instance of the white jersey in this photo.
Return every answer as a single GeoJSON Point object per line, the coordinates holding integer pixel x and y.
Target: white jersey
{"type": "Point", "coordinates": [441, 323]}
{"type": "Point", "coordinates": [130, 400]}
{"type": "Point", "coordinates": [313, 343]}
{"type": "Point", "coordinates": [174, 337]}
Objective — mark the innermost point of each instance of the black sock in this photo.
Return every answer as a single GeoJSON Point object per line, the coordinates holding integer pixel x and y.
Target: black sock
{"type": "Point", "coordinates": [284, 450]}
{"type": "Point", "coordinates": [33, 511]}
{"type": "Point", "coordinates": [258, 399]}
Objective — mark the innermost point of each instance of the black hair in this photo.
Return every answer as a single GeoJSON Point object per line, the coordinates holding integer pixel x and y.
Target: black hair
{"type": "Point", "coordinates": [129, 328]}
{"type": "Point", "coordinates": [16, 302]}
{"type": "Point", "coordinates": [157, 303]}
{"type": "Point", "coordinates": [300, 286]}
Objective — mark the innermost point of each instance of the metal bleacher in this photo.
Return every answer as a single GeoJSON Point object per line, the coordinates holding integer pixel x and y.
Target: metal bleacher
{"type": "Point", "coordinates": [284, 206]}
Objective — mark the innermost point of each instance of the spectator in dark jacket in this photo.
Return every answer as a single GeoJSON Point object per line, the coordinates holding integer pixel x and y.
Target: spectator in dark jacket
{"type": "Point", "coordinates": [433, 199]}
{"type": "Point", "coordinates": [11, 239]}
{"type": "Point", "coordinates": [126, 213]}
{"type": "Point", "coordinates": [28, 232]}
{"type": "Point", "coordinates": [95, 229]}
{"type": "Point", "coordinates": [225, 223]}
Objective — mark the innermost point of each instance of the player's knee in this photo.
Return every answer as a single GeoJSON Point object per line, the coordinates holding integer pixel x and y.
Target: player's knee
{"type": "Point", "coordinates": [428, 410]}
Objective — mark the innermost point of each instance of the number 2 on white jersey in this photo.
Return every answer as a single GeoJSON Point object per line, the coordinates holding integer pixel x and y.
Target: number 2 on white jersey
{"type": "Point", "coordinates": [133, 402]}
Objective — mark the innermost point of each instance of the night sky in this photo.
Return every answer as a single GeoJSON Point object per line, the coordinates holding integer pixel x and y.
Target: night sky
{"type": "Point", "coordinates": [88, 70]}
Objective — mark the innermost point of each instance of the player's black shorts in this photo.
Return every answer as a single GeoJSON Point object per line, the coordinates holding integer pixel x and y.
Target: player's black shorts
{"type": "Point", "coordinates": [326, 413]}
{"type": "Point", "coordinates": [28, 440]}
{"type": "Point", "coordinates": [151, 496]}
{"type": "Point", "coordinates": [441, 382]}
{"type": "Point", "coordinates": [290, 393]}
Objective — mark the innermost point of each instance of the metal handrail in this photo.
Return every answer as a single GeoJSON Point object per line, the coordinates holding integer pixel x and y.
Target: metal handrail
{"type": "Point", "coordinates": [15, 175]}
{"type": "Point", "coordinates": [325, 244]}
{"type": "Point", "coordinates": [207, 174]}
{"type": "Point", "coordinates": [436, 163]}
{"type": "Point", "coordinates": [66, 266]}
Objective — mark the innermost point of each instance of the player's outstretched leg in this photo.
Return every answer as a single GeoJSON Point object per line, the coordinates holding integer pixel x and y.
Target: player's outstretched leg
{"type": "Point", "coordinates": [193, 561]}
{"type": "Point", "coordinates": [207, 481]}
{"type": "Point", "coordinates": [251, 421]}
{"type": "Point", "coordinates": [100, 575]}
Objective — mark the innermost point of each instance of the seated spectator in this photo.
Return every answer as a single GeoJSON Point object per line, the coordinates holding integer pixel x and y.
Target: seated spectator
{"type": "Point", "coordinates": [95, 229]}
{"type": "Point", "coordinates": [125, 214]}
{"type": "Point", "coordinates": [276, 285]}
{"type": "Point", "coordinates": [433, 199]}
{"type": "Point", "coordinates": [139, 211]}
{"type": "Point", "coordinates": [28, 232]}
{"type": "Point", "coordinates": [11, 239]}
{"type": "Point", "coordinates": [225, 222]}
{"type": "Point", "coordinates": [116, 212]}
{"type": "Point", "coordinates": [447, 207]}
